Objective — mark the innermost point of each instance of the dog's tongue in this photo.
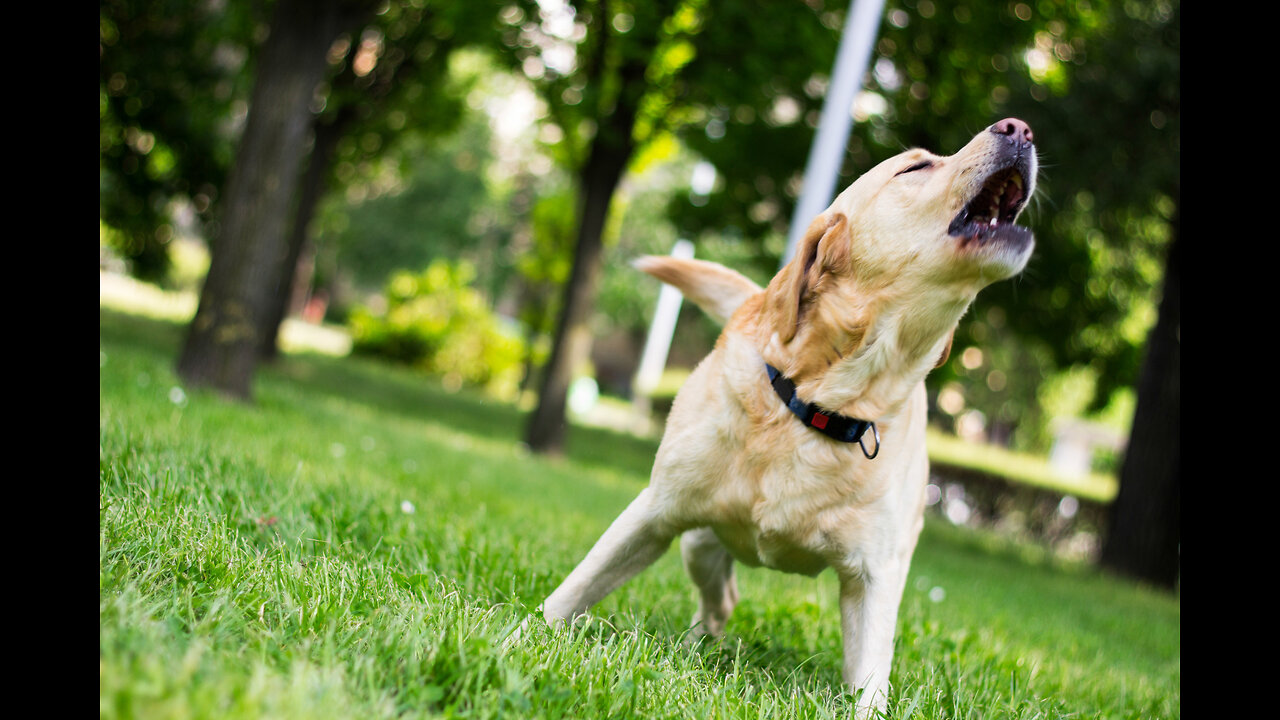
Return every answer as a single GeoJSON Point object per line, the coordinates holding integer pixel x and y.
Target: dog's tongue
{"type": "Point", "coordinates": [1012, 195]}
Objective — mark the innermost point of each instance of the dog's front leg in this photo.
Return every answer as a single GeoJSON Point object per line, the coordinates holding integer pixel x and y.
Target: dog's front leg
{"type": "Point", "coordinates": [869, 617]}
{"type": "Point", "coordinates": [634, 541]}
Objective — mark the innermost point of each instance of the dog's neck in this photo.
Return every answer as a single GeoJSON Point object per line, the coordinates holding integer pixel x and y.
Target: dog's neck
{"type": "Point", "coordinates": [864, 360]}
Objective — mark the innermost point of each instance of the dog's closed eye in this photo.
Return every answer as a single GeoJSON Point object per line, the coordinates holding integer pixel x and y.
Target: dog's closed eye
{"type": "Point", "coordinates": [918, 166]}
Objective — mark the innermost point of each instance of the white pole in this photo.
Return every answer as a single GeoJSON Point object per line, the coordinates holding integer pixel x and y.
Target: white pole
{"type": "Point", "coordinates": [827, 151]}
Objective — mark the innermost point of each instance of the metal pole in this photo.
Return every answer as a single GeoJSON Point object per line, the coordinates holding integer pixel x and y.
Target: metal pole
{"type": "Point", "coordinates": [825, 155]}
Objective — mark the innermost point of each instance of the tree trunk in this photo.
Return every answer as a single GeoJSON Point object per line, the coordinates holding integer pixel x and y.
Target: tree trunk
{"type": "Point", "coordinates": [1145, 526]}
{"type": "Point", "coordinates": [370, 92]}
{"type": "Point", "coordinates": [313, 185]}
{"type": "Point", "coordinates": [221, 347]}
{"type": "Point", "coordinates": [600, 177]}
{"type": "Point", "coordinates": [610, 151]}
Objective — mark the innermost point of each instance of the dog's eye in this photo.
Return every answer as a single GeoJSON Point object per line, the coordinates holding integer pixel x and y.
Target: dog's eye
{"type": "Point", "coordinates": [918, 166]}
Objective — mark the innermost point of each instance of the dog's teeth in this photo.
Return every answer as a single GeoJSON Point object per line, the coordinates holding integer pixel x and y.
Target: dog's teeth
{"type": "Point", "coordinates": [1017, 180]}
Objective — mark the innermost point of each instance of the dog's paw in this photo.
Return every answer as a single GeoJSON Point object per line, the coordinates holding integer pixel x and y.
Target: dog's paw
{"type": "Point", "coordinates": [703, 631]}
{"type": "Point", "coordinates": [551, 613]}
{"type": "Point", "coordinates": [559, 618]}
{"type": "Point", "coordinates": [869, 704]}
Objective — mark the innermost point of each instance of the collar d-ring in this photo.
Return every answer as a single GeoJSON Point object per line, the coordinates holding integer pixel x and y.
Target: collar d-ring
{"type": "Point", "coordinates": [862, 444]}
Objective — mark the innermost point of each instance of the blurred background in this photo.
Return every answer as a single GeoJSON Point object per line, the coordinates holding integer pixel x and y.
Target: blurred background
{"type": "Point", "coordinates": [461, 186]}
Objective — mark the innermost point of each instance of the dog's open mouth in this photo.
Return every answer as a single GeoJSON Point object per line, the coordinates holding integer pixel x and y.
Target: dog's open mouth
{"type": "Point", "coordinates": [990, 215]}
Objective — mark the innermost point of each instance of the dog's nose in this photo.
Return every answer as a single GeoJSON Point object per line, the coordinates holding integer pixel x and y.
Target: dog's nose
{"type": "Point", "coordinates": [1014, 129]}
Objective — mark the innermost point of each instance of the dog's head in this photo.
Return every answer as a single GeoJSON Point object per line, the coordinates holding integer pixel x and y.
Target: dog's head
{"type": "Point", "coordinates": [902, 252]}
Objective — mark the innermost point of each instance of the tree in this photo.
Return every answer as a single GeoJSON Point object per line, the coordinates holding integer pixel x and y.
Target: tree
{"type": "Point", "coordinates": [1102, 90]}
{"type": "Point", "coordinates": [1129, 91]}
{"type": "Point", "coordinates": [630, 84]}
{"type": "Point", "coordinates": [388, 83]}
{"type": "Point", "coordinates": [1144, 530]}
{"type": "Point", "coordinates": [222, 341]}
{"type": "Point", "coordinates": [170, 73]}
{"type": "Point", "coordinates": [598, 102]}
{"type": "Point", "coordinates": [544, 267]}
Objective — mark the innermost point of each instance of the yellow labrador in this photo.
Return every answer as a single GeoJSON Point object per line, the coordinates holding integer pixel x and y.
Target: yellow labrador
{"type": "Point", "coordinates": [799, 442]}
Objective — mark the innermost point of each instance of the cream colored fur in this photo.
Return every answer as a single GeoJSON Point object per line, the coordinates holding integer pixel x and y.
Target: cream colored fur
{"type": "Point", "coordinates": [857, 319]}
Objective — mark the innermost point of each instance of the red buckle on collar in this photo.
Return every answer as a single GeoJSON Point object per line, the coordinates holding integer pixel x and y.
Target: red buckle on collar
{"type": "Point", "coordinates": [819, 420]}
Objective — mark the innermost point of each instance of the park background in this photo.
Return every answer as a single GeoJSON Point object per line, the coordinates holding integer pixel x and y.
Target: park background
{"type": "Point", "coordinates": [439, 202]}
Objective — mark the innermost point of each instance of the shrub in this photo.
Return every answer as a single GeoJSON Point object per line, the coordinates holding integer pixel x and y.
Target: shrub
{"type": "Point", "coordinates": [437, 322]}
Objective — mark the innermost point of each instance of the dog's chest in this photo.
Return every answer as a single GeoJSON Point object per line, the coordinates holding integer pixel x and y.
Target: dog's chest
{"type": "Point", "coordinates": [782, 551]}
{"type": "Point", "coordinates": [798, 521]}
{"type": "Point", "coordinates": [779, 551]}
{"type": "Point", "coordinates": [805, 549]}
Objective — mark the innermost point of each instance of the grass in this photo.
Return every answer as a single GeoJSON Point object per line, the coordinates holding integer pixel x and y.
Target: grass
{"type": "Point", "coordinates": [359, 543]}
{"type": "Point", "coordinates": [1019, 467]}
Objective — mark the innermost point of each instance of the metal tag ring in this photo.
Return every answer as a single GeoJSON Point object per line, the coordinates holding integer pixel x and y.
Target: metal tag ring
{"type": "Point", "coordinates": [871, 455]}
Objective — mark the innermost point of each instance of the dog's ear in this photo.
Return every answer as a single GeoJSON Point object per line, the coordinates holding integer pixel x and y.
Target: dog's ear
{"type": "Point", "coordinates": [823, 249]}
{"type": "Point", "coordinates": [946, 351]}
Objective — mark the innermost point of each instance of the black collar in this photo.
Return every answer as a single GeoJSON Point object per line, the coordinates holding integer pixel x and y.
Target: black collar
{"type": "Point", "coordinates": [842, 428]}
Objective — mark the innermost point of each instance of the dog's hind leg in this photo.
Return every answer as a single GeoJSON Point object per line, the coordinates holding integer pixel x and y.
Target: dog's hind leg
{"type": "Point", "coordinates": [632, 543]}
{"type": "Point", "coordinates": [710, 566]}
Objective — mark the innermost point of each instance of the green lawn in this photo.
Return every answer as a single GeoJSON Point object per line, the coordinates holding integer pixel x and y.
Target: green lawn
{"type": "Point", "coordinates": [359, 543]}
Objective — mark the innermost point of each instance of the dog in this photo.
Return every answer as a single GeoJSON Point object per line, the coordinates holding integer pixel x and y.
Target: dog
{"type": "Point", "coordinates": [798, 443]}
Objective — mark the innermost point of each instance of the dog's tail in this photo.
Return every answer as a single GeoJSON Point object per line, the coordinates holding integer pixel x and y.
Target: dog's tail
{"type": "Point", "coordinates": [711, 286]}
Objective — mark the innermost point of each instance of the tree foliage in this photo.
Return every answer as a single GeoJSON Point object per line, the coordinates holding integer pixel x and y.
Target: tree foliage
{"type": "Point", "coordinates": [1110, 102]}
{"type": "Point", "coordinates": [392, 97]}
{"type": "Point", "coordinates": [172, 82]}
{"type": "Point", "coordinates": [424, 200]}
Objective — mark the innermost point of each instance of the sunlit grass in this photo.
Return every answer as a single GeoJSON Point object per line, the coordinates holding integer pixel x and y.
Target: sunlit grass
{"type": "Point", "coordinates": [125, 294]}
{"type": "Point", "coordinates": [1018, 467]}
{"type": "Point", "coordinates": [360, 543]}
